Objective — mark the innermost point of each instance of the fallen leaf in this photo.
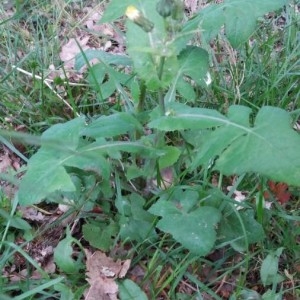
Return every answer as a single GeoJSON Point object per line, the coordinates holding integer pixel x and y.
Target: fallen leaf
{"type": "Point", "coordinates": [280, 191]}
{"type": "Point", "coordinates": [71, 49]}
{"type": "Point", "coordinates": [102, 271]}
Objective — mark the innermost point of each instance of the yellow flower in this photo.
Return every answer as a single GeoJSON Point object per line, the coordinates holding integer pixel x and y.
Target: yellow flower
{"type": "Point", "coordinates": [133, 14]}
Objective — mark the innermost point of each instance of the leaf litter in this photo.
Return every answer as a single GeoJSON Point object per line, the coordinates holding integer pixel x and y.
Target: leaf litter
{"type": "Point", "coordinates": [102, 273]}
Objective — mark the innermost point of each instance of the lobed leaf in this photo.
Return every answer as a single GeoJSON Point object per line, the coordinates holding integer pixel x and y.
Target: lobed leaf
{"type": "Point", "coordinates": [193, 228]}
{"type": "Point", "coordinates": [269, 147]}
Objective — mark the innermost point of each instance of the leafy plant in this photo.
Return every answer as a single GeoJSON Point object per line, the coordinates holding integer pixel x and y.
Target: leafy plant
{"type": "Point", "coordinates": [162, 127]}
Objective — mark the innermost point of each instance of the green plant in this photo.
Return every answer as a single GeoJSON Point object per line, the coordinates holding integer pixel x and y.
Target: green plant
{"type": "Point", "coordinates": [158, 183]}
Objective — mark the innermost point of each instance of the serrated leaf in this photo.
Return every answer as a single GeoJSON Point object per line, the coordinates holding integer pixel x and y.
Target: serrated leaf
{"type": "Point", "coordinates": [128, 290]}
{"type": "Point", "coordinates": [231, 229]}
{"type": "Point", "coordinates": [193, 228]}
{"type": "Point", "coordinates": [238, 16]}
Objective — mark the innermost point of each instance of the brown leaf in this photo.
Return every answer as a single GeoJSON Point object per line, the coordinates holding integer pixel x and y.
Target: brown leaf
{"type": "Point", "coordinates": [102, 271]}
{"type": "Point", "coordinates": [280, 191]}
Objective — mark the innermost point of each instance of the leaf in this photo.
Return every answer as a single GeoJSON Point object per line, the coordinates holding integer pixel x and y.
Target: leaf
{"type": "Point", "coordinates": [62, 146]}
{"type": "Point", "coordinates": [63, 255]}
{"type": "Point", "coordinates": [101, 274]}
{"type": "Point", "coordinates": [280, 191]}
{"type": "Point", "coordinates": [14, 221]}
{"type": "Point", "coordinates": [193, 227]}
{"type": "Point", "coordinates": [193, 63]}
{"type": "Point", "coordinates": [128, 290]}
{"type": "Point", "coordinates": [136, 223]}
{"type": "Point", "coordinates": [103, 57]}
{"type": "Point", "coordinates": [269, 268]}
{"type": "Point", "coordinates": [231, 229]}
{"type": "Point", "coordinates": [109, 126]}
{"type": "Point", "coordinates": [100, 236]}
{"type": "Point", "coordinates": [169, 158]}
{"type": "Point", "coordinates": [116, 9]}
{"type": "Point", "coordinates": [238, 16]}
{"type": "Point", "coordinates": [46, 173]}
{"type": "Point", "coordinates": [268, 147]}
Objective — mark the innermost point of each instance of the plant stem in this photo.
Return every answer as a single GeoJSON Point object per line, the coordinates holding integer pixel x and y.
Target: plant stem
{"type": "Point", "coordinates": [161, 99]}
{"type": "Point", "coordinates": [140, 106]}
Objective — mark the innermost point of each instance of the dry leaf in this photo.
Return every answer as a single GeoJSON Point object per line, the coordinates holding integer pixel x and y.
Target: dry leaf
{"type": "Point", "coordinates": [101, 274]}
{"type": "Point", "coordinates": [71, 49]}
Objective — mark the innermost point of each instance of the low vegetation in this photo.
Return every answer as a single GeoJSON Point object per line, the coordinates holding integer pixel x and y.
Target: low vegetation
{"type": "Point", "coordinates": [150, 149]}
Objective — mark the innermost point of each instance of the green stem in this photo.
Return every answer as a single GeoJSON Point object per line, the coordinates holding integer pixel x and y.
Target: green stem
{"type": "Point", "coordinates": [141, 104]}
{"type": "Point", "coordinates": [161, 99]}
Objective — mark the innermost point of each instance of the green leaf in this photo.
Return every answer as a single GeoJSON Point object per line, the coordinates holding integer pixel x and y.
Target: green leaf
{"type": "Point", "coordinates": [192, 226]}
{"type": "Point", "coordinates": [193, 63]}
{"type": "Point", "coordinates": [110, 126]}
{"type": "Point", "coordinates": [238, 16]}
{"type": "Point", "coordinates": [128, 290]}
{"type": "Point", "coordinates": [136, 223]}
{"type": "Point", "coordinates": [105, 58]}
{"type": "Point", "coordinates": [14, 221]}
{"type": "Point", "coordinates": [269, 268]}
{"type": "Point", "coordinates": [100, 236]}
{"type": "Point", "coordinates": [63, 255]}
{"type": "Point", "coordinates": [268, 147]}
{"type": "Point", "coordinates": [181, 117]}
{"type": "Point", "coordinates": [169, 158]}
{"type": "Point", "coordinates": [46, 173]}
{"type": "Point", "coordinates": [231, 229]}
{"type": "Point", "coordinates": [116, 9]}
{"type": "Point", "coordinates": [62, 146]}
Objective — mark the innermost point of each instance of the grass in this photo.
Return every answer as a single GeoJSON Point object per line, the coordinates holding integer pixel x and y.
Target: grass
{"type": "Point", "coordinates": [267, 73]}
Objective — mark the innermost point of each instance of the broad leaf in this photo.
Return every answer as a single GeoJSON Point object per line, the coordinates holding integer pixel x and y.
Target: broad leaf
{"type": "Point", "coordinates": [128, 290]}
{"type": "Point", "coordinates": [109, 126]}
{"type": "Point", "coordinates": [193, 64]}
{"type": "Point", "coordinates": [269, 146]}
{"type": "Point", "coordinates": [103, 57]}
{"type": "Point", "coordinates": [190, 225]}
{"type": "Point", "coordinates": [135, 223]}
{"type": "Point", "coordinates": [238, 16]}
{"type": "Point", "coordinates": [116, 9]}
{"type": "Point", "coordinates": [231, 229]}
{"type": "Point", "coordinates": [269, 268]}
{"type": "Point", "coordinates": [100, 236]}
{"type": "Point", "coordinates": [62, 146]}
{"type": "Point", "coordinates": [63, 255]}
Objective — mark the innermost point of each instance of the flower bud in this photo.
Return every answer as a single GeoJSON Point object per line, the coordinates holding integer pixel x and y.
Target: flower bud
{"type": "Point", "coordinates": [137, 17]}
{"type": "Point", "coordinates": [165, 8]}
